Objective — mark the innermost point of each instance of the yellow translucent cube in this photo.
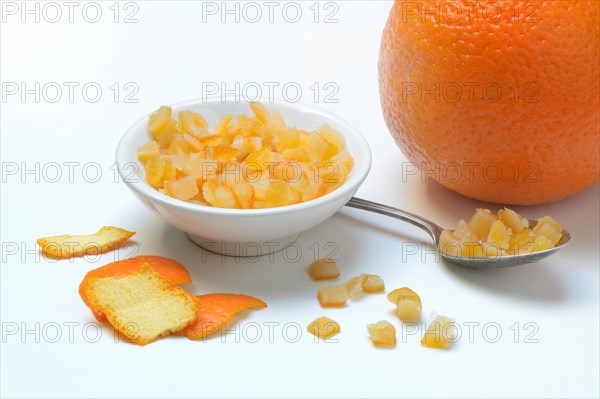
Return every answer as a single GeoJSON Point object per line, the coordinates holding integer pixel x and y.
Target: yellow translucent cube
{"type": "Point", "coordinates": [259, 111]}
{"type": "Point", "coordinates": [481, 222]}
{"type": "Point", "coordinates": [541, 243]}
{"type": "Point", "coordinates": [224, 197]}
{"type": "Point", "coordinates": [440, 333]}
{"type": "Point", "coordinates": [472, 250]}
{"type": "Point", "coordinates": [449, 243]}
{"type": "Point", "coordinates": [275, 121]}
{"type": "Point", "coordinates": [179, 147]}
{"type": "Point", "coordinates": [344, 158]}
{"type": "Point", "coordinates": [373, 284]}
{"type": "Point", "coordinates": [547, 227]}
{"type": "Point", "coordinates": [183, 189]}
{"type": "Point", "coordinates": [465, 233]}
{"type": "Point", "coordinates": [324, 269]}
{"type": "Point", "coordinates": [332, 296]}
{"type": "Point", "coordinates": [223, 125]}
{"type": "Point", "coordinates": [287, 139]}
{"type": "Point", "coordinates": [160, 121]}
{"type": "Point", "coordinates": [354, 286]}
{"type": "Point", "coordinates": [513, 220]}
{"type": "Point", "coordinates": [188, 121]}
{"type": "Point", "coordinates": [382, 334]}
{"type": "Point", "coordinates": [499, 235]}
{"type": "Point", "coordinates": [193, 143]}
{"type": "Point", "coordinates": [244, 193]}
{"type": "Point", "coordinates": [158, 170]}
{"type": "Point", "coordinates": [315, 146]}
{"type": "Point", "coordinates": [408, 304]}
{"type": "Point", "coordinates": [332, 136]}
{"type": "Point", "coordinates": [148, 151]}
{"type": "Point", "coordinates": [323, 327]}
{"type": "Point", "coordinates": [247, 125]}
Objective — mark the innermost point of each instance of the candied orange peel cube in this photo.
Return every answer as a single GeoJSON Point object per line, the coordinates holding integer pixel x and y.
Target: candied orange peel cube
{"type": "Point", "coordinates": [324, 269]}
{"type": "Point", "coordinates": [323, 327]}
{"type": "Point", "coordinates": [354, 286]}
{"type": "Point", "coordinates": [382, 334]}
{"type": "Point", "coordinates": [183, 189]}
{"type": "Point", "coordinates": [332, 296]}
{"type": "Point", "coordinates": [440, 333]}
{"type": "Point", "coordinates": [408, 304]}
{"type": "Point", "coordinates": [364, 284]}
{"type": "Point", "coordinates": [373, 284]}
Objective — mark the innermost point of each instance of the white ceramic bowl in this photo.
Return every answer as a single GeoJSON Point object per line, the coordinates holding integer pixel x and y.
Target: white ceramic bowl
{"type": "Point", "coordinates": [244, 232]}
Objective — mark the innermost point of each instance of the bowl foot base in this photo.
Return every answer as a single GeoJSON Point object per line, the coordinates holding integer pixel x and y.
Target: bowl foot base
{"type": "Point", "coordinates": [242, 249]}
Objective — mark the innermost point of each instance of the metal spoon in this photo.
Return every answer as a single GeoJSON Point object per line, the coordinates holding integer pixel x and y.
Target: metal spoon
{"type": "Point", "coordinates": [467, 261]}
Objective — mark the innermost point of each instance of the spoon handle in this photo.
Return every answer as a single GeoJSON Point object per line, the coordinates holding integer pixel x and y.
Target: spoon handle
{"type": "Point", "coordinates": [433, 229]}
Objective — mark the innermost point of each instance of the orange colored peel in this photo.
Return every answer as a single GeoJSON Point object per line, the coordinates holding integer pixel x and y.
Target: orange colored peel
{"type": "Point", "coordinates": [143, 306]}
{"type": "Point", "coordinates": [218, 311]}
{"type": "Point", "coordinates": [69, 246]}
{"type": "Point", "coordinates": [170, 269]}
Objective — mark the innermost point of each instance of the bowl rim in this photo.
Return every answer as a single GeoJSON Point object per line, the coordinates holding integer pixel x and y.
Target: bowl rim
{"type": "Point", "coordinates": [357, 176]}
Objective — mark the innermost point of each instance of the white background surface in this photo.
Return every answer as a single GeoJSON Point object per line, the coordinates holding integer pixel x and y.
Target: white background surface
{"type": "Point", "coordinates": [168, 54]}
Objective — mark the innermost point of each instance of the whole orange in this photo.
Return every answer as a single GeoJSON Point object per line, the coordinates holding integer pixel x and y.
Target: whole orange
{"type": "Point", "coordinates": [498, 100]}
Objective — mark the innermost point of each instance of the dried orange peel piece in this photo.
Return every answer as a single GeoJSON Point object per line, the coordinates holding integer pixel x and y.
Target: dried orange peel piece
{"type": "Point", "coordinates": [143, 306]}
{"type": "Point", "coordinates": [170, 269]}
{"type": "Point", "coordinates": [68, 246]}
{"type": "Point", "coordinates": [219, 311]}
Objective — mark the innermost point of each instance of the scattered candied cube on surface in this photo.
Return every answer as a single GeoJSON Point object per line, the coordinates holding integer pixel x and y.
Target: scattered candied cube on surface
{"type": "Point", "coordinates": [373, 284]}
{"type": "Point", "coordinates": [332, 296]}
{"type": "Point", "coordinates": [408, 304]}
{"type": "Point", "coordinates": [324, 269]}
{"type": "Point", "coordinates": [440, 333]}
{"type": "Point", "coordinates": [382, 333]}
{"type": "Point", "coordinates": [354, 286]}
{"type": "Point", "coordinates": [408, 310]}
{"type": "Point", "coordinates": [364, 284]}
{"type": "Point", "coordinates": [323, 327]}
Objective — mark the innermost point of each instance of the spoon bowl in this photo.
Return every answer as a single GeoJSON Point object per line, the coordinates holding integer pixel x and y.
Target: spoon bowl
{"type": "Point", "coordinates": [434, 230]}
